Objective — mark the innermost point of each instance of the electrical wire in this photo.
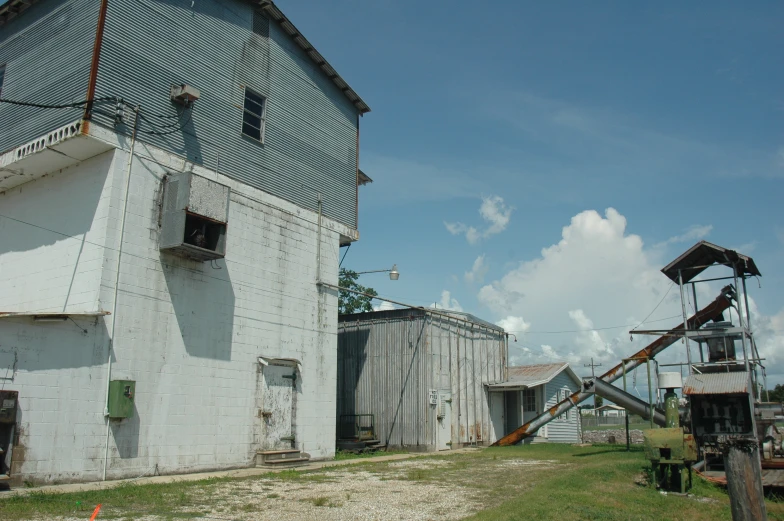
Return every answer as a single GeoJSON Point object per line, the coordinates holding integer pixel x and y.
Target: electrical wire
{"type": "Point", "coordinates": [62, 106]}
{"type": "Point", "coordinates": [158, 260]}
{"type": "Point", "coordinates": [181, 126]}
{"type": "Point", "coordinates": [657, 306]}
{"type": "Point", "coordinates": [588, 330]}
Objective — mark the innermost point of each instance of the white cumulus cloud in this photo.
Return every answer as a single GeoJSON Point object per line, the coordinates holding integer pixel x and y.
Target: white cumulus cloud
{"type": "Point", "coordinates": [478, 271]}
{"type": "Point", "coordinates": [384, 306]}
{"type": "Point", "coordinates": [494, 212]}
{"type": "Point", "coordinates": [599, 276]}
{"type": "Point", "coordinates": [447, 302]}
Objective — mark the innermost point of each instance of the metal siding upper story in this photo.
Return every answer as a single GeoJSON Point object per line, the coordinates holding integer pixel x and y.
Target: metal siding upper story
{"type": "Point", "coordinates": [47, 51]}
{"type": "Point", "coordinates": [310, 134]}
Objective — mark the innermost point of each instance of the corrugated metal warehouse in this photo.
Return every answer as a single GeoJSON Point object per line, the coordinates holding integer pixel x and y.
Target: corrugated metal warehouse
{"type": "Point", "coordinates": [422, 374]}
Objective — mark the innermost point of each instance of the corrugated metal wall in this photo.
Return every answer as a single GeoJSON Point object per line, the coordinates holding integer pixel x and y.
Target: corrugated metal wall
{"type": "Point", "coordinates": [311, 126]}
{"type": "Point", "coordinates": [566, 428]}
{"type": "Point", "coordinates": [388, 361]}
{"type": "Point", "coordinates": [47, 51]}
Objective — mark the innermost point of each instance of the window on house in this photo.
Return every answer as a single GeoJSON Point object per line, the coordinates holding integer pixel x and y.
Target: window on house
{"type": "Point", "coordinates": [2, 77]}
{"type": "Point", "coordinates": [563, 394]}
{"type": "Point", "coordinates": [529, 400]}
{"type": "Point", "coordinates": [254, 115]}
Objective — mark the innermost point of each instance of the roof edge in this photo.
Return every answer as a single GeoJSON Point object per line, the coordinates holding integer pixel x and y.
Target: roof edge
{"type": "Point", "coordinates": [269, 7]}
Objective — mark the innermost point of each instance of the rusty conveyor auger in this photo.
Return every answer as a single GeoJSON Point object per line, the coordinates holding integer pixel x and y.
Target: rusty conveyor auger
{"type": "Point", "coordinates": [705, 315]}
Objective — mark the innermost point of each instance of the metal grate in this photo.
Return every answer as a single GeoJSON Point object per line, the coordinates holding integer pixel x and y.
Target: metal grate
{"type": "Point", "coordinates": [260, 24]}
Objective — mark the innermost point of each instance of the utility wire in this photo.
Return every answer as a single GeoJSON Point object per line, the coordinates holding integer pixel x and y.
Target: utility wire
{"type": "Point", "coordinates": [586, 330]}
{"type": "Point", "coordinates": [657, 306]}
{"type": "Point", "coordinates": [63, 106]}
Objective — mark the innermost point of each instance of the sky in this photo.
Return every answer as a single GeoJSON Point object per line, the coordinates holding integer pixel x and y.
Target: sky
{"type": "Point", "coordinates": [536, 163]}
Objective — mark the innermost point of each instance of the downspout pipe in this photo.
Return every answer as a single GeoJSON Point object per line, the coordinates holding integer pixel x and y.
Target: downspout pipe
{"type": "Point", "coordinates": [116, 291]}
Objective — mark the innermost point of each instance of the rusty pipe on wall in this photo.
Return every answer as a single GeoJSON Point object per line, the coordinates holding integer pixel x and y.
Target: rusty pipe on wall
{"type": "Point", "coordinates": [705, 315]}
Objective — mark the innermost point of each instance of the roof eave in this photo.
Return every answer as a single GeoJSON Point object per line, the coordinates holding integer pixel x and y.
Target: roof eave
{"type": "Point", "coordinates": [12, 9]}
{"type": "Point", "coordinates": [276, 14]}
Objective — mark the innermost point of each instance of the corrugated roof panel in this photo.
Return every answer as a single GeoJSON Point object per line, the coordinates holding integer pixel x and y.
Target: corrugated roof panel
{"type": "Point", "coordinates": [717, 383]}
{"type": "Point", "coordinates": [532, 375]}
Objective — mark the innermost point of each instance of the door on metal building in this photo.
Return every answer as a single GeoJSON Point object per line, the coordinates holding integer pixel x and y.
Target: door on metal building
{"type": "Point", "coordinates": [278, 402]}
{"type": "Point", "coordinates": [444, 421]}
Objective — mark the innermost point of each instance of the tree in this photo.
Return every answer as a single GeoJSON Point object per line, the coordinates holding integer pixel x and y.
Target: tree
{"type": "Point", "coordinates": [349, 302]}
{"type": "Point", "coordinates": [776, 394]}
{"type": "Point", "coordinates": [598, 401]}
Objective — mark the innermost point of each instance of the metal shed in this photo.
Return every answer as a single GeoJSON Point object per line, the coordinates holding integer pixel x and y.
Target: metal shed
{"type": "Point", "coordinates": [422, 374]}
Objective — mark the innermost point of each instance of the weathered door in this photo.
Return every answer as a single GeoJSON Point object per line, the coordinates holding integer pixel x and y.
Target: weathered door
{"type": "Point", "coordinates": [277, 402]}
{"type": "Point", "coordinates": [444, 419]}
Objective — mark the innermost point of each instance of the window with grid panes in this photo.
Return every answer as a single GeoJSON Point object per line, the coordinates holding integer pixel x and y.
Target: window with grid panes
{"type": "Point", "coordinates": [529, 400]}
{"type": "Point", "coordinates": [253, 115]}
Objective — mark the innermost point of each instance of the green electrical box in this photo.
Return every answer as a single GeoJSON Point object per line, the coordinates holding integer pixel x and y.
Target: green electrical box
{"type": "Point", "coordinates": [121, 396]}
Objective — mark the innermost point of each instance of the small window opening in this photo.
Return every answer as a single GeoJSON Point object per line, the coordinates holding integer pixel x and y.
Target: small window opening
{"type": "Point", "coordinates": [2, 77]}
{"type": "Point", "coordinates": [202, 232]}
{"type": "Point", "coordinates": [254, 115]}
{"type": "Point", "coordinates": [529, 400]}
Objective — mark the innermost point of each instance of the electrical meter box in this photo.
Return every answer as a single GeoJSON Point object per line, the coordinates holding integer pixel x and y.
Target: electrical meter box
{"type": "Point", "coordinates": [8, 400]}
{"type": "Point", "coordinates": [121, 396]}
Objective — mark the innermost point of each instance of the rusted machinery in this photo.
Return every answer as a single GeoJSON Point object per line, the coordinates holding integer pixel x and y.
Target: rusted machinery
{"type": "Point", "coordinates": [725, 417]}
{"type": "Point", "coordinates": [672, 451]}
{"type": "Point", "coordinates": [710, 312]}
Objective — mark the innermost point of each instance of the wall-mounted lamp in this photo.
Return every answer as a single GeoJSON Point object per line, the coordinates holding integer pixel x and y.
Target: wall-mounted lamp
{"type": "Point", "coordinates": [393, 273]}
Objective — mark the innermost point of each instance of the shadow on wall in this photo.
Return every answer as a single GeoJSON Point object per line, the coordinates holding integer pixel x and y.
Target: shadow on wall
{"type": "Point", "coordinates": [126, 436]}
{"type": "Point", "coordinates": [352, 355]}
{"type": "Point", "coordinates": [30, 346]}
{"type": "Point", "coordinates": [61, 207]}
{"type": "Point", "coordinates": [203, 300]}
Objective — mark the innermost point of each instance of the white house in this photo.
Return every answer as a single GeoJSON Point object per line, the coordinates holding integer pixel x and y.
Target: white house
{"type": "Point", "coordinates": [529, 390]}
{"type": "Point", "coordinates": [167, 273]}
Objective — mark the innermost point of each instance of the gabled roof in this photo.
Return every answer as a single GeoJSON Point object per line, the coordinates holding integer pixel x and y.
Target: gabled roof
{"type": "Point", "coordinates": [528, 376]}
{"type": "Point", "coordinates": [13, 8]}
{"type": "Point", "coordinates": [702, 256]}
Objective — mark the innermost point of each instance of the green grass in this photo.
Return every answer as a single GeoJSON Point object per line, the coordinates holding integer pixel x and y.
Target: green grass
{"type": "Point", "coordinates": [342, 455]}
{"type": "Point", "coordinates": [597, 482]}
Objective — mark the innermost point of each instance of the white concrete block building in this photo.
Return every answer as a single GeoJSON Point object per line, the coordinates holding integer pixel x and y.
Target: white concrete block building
{"type": "Point", "coordinates": [223, 347]}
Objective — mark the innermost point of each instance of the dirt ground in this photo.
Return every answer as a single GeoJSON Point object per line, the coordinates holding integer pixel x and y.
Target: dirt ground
{"type": "Point", "coordinates": [421, 489]}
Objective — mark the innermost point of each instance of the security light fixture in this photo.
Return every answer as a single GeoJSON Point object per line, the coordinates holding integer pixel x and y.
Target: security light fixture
{"type": "Point", "coordinates": [393, 273]}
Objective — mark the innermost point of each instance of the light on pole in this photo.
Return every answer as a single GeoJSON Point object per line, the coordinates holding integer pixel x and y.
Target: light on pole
{"type": "Point", "coordinates": [393, 273]}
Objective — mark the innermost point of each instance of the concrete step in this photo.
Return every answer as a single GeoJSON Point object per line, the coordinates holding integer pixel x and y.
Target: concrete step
{"type": "Point", "coordinates": [281, 458]}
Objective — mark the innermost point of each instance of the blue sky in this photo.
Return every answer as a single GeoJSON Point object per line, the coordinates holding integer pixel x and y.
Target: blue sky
{"type": "Point", "coordinates": [669, 115]}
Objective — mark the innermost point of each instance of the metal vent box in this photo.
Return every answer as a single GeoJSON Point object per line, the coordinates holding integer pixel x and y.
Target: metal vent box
{"type": "Point", "coordinates": [121, 396]}
{"type": "Point", "coordinates": [195, 213]}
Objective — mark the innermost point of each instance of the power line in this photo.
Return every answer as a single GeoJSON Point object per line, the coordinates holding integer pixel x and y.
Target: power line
{"type": "Point", "coordinates": [76, 104]}
{"type": "Point", "coordinates": [591, 329]}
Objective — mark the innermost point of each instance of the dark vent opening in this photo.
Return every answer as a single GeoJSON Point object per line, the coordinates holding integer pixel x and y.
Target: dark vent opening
{"type": "Point", "coordinates": [202, 232]}
{"type": "Point", "coordinates": [2, 77]}
{"type": "Point", "coordinates": [260, 24]}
